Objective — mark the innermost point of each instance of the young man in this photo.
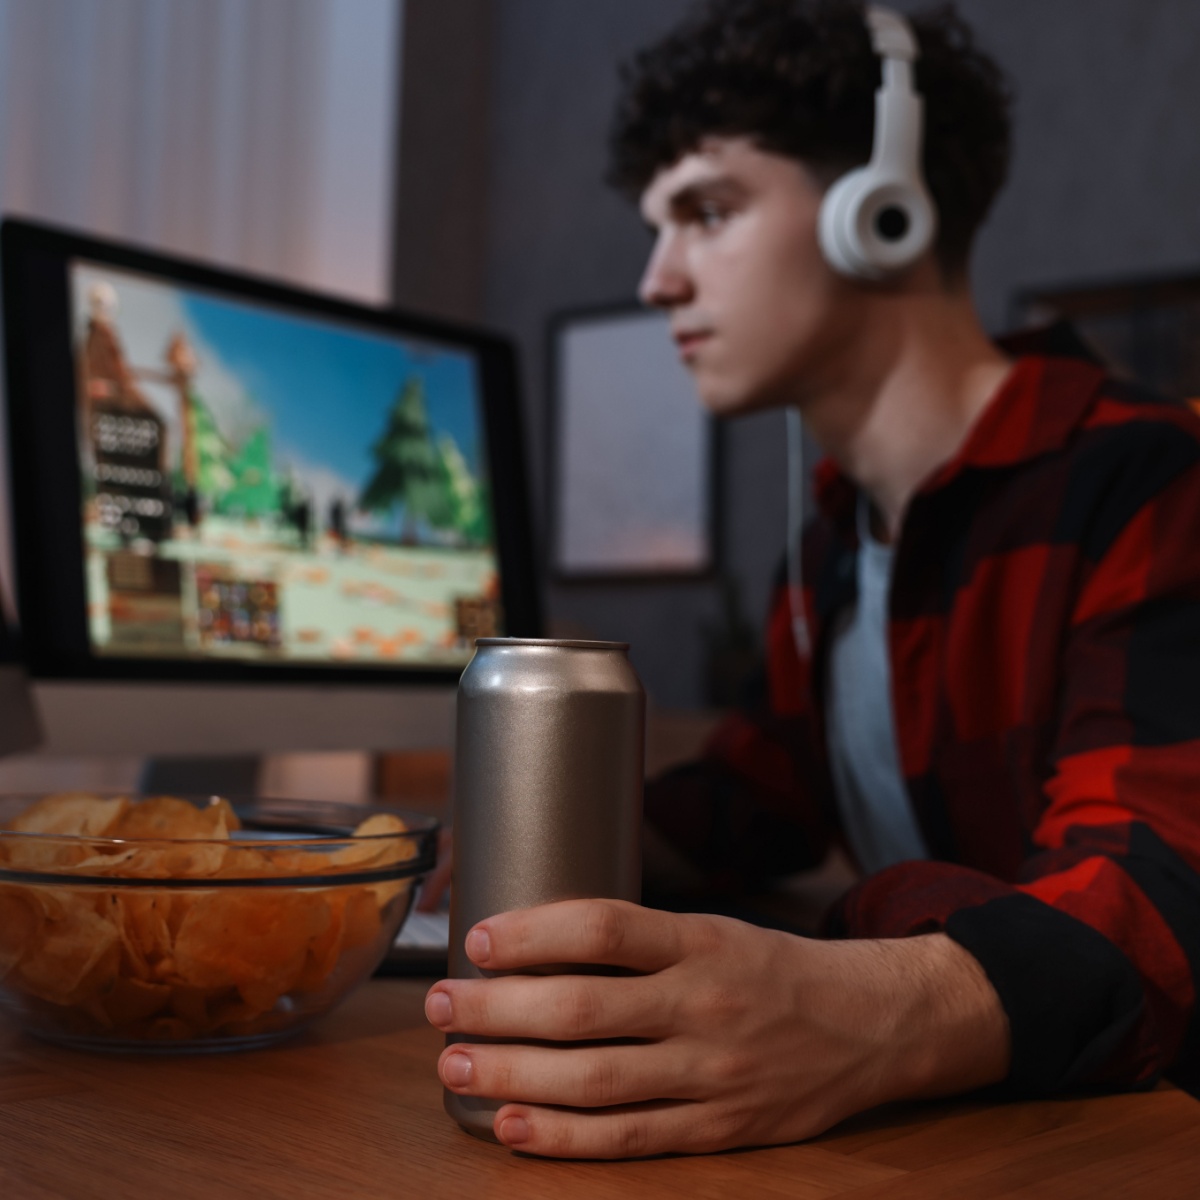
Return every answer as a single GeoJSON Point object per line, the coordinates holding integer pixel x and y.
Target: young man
{"type": "Point", "coordinates": [1000, 715]}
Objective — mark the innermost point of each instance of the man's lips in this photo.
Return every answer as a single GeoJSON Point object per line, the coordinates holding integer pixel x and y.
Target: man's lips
{"type": "Point", "coordinates": [688, 339]}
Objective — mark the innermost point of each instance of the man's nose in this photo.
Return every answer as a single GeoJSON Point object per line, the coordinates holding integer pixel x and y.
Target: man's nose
{"type": "Point", "coordinates": [665, 281]}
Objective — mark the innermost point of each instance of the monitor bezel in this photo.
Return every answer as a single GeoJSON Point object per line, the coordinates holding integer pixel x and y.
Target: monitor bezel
{"type": "Point", "coordinates": [43, 456]}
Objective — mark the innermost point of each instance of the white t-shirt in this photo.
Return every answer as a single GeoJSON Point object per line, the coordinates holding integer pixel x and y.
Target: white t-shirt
{"type": "Point", "coordinates": [872, 797]}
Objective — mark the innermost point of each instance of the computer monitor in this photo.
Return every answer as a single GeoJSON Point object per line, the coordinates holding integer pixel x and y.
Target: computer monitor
{"type": "Point", "coordinates": [248, 518]}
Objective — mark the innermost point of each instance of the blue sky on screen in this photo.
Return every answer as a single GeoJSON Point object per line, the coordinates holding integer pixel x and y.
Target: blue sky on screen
{"type": "Point", "coordinates": [323, 389]}
{"type": "Point", "coordinates": [327, 388]}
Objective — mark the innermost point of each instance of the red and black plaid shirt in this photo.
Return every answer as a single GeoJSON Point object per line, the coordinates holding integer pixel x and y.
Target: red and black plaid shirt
{"type": "Point", "coordinates": [1045, 654]}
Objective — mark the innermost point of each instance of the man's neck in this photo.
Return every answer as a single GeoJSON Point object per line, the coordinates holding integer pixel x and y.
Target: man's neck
{"type": "Point", "coordinates": [902, 400]}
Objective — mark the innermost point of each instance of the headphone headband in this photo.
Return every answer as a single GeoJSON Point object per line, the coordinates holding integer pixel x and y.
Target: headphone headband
{"type": "Point", "coordinates": [891, 34]}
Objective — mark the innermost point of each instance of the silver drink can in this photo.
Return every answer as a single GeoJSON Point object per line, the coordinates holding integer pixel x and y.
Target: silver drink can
{"type": "Point", "coordinates": [548, 765]}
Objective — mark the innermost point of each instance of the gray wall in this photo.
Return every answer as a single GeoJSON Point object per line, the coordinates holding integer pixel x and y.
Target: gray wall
{"type": "Point", "coordinates": [559, 239]}
{"type": "Point", "coordinates": [1106, 182]}
{"type": "Point", "coordinates": [443, 157]}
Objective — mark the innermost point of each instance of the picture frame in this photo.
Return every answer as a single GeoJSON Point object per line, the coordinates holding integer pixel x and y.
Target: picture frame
{"type": "Point", "coordinates": [633, 454]}
{"type": "Point", "coordinates": [1143, 328]}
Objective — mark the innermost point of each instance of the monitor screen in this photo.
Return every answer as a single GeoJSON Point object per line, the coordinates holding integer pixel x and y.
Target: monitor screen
{"type": "Point", "coordinates": [217, 477]}
{"type": "Point", "coordinates": [264, 486]}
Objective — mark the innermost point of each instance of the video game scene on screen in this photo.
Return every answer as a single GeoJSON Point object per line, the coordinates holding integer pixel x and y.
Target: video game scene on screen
{"type": "Point", "coordinates": [258, 486]}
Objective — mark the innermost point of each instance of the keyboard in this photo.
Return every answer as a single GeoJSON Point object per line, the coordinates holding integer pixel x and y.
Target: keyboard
{"type": "Point", "coordinates": [425, 931]}
{"type": "Point", "coordinates": [421, 947]}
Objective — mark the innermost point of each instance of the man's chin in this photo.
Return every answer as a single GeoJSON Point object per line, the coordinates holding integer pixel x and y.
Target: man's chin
{"type": "Point", "coordinates": [729, 401]}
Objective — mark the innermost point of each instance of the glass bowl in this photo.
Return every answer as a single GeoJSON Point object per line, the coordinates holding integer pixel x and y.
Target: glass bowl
{"type": "Point", "coordinates": [260, 918]}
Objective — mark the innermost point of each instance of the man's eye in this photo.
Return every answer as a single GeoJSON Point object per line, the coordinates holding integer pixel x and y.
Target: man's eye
{"type": "Point", "coordinates": [711, 215]}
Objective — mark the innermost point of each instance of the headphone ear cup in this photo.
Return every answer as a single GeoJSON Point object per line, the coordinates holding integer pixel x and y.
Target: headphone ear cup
{"type": "Point", "coordinates": [872, 225]}
{"type": "Point", "coordinates": [837, 220]}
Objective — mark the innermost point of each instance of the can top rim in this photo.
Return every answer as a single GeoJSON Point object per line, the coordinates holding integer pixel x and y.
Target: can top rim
{"type": "Point", "coordinates": [551, 643]}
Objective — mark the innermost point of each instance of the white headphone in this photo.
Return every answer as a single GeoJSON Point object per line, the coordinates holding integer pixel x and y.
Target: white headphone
{"type": "Point", "coordinates": [874, 223]}
{"type": "Point", "coordinates": [879, 219]}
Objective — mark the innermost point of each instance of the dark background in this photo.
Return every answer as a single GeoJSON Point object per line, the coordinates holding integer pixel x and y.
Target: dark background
{"type": "Point", "coordinates": [502, 217]}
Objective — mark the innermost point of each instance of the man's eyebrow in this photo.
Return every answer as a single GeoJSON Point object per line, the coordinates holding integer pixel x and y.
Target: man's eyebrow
{"type": "Point", "coordinates": [691, 195]}
{"type": "Point", "coordinates": [719, 187]}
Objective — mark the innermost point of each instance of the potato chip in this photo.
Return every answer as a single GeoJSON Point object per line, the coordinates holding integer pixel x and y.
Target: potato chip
{"type": "Point", "coordinates": [132, 1000]}
{"type": "Point", "coordinates": [21, 920]}
{"type": "Point", "coordinates": [191, 1004]}
{"type": "Point", "coordinates": [170, 817]}
{"type": "Point", "coordinates": [254, 941]}
{"type": "Point", "coordinates": [360, 918]}
{"type": "Point", "coordinates": [76, 955]}
{"type": "Point", "coordinates": [74, 814]}
{"type": "Point", "coordinates": [167, 819]}
{"type": "Point", "coordinates": [380, 823]}
{"type": "Point", "coordinates": [229, 1011]}
{"type": "Point", "coordinates": [67, 815]}
{"type": "Point", "coordinates": [325, 949]}
{"type": "Point", "coordinates": [374, 847]}
{"type": "Point", "coordinates": [105, 863]}
{"type": "Point", "coordinates": [176, 906]}
{"type": "Point", "coordinates": [146, 938]}
{"type": "Point", "coordinates": [46, 853]}
{"type": "Point", "coordinates": [354, 921]}
{"type": "Point", "coordinates": [277, 860]}
{"type": "Point", "coordinates": [378, 851]}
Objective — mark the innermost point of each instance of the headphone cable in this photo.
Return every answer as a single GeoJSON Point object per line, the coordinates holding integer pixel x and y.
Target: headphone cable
{"type": "Point", "coordinates": [795, 530]}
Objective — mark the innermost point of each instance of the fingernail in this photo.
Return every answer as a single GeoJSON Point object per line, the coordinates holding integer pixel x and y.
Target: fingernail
{"type": "Point", "coordinates": [456, 1070]}
{"type": "Point", "coordinates": [513, 1131]}
{"type": "Point", "coordinates": [479, 946]}
{"type": "Point", "coordinates": [437, 1008]}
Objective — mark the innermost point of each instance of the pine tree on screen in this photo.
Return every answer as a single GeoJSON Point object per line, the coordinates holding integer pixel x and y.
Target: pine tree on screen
{"type": "Point", "coordinates": [468, 503]}
{"type": "Point", "coordinates": [409, 473]}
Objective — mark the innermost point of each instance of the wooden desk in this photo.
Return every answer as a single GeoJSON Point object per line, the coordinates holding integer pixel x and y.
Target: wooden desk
{"type": "Point", "coordinates": [352, 1109]}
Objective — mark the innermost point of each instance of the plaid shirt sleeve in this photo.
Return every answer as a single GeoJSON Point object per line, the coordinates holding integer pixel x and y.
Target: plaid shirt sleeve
{"type": "Point", "coordinates": [1093, 942]}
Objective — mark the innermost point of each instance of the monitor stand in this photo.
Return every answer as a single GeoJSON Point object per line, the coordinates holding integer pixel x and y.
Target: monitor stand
{"type": "Point", "coordinates": [210, 776]}
{"type": "Point", "coordinates": [346, 776]}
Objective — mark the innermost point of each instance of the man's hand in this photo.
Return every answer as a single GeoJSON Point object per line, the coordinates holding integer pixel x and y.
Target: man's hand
{"type": "Point", "coordinates": [729, 1035]}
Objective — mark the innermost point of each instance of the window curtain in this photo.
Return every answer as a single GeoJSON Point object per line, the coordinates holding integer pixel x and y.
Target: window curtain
{"type": "Point", "coordinates": [256, 134]}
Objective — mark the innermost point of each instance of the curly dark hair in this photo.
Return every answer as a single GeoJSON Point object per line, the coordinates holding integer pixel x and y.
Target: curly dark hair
{"type": "Point", "coordinates": [799, 77]}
